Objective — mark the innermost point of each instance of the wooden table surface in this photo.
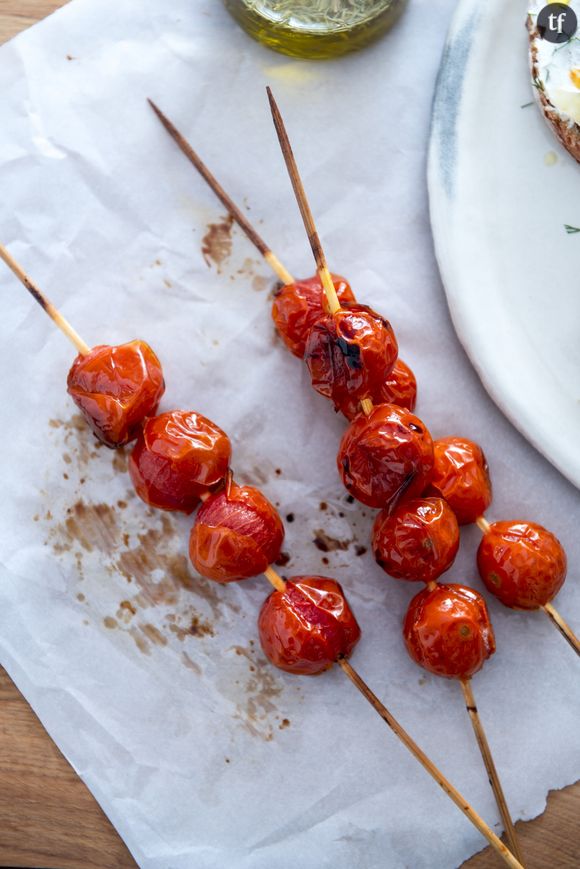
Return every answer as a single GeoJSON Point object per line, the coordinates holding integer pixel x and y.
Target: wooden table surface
{"type": "Point", "coordinates": [48, 817]}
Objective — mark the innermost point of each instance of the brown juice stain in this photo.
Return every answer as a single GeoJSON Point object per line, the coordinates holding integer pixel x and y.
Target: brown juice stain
{"type": "Point", "coordinates": [120, 460]}
{"type": "Point", "coordinates": [258, 710]}
{"type": "Point", "coordinates": [81, 445]}
{"type": "Point", "coordinates": [158, 574]}
{"type": "Point", "coordinates": [216, 245]}
{"type": "Point", "coordinates": [325, 543]}
{"type": "Point", "coordinates": [200, 627]}
{"type": "Point", "coordinates": [283, 559]}
{"type": "Point", "coordinates": [140, 641]}
{"type": "Point", "coordinates": [260, 283]}
{"type": "Point", "coordinates": [94, 526]}
{"type": "Point", "coordinates": [248, 266]}
{"type": "Point", "coordinates": [191, 665]}
{"type": "Point", "coordinates": [255, 476]}
{"type": "Point", "coordinates": [153, 634]}
{"type": "Point", "coordinates": [196, 627]}
{"type": "Point", "coordinates": [126, 612]}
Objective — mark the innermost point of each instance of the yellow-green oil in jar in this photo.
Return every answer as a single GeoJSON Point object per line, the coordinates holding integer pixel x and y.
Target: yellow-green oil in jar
{"type": "Point", "coordinates": [315, 29]}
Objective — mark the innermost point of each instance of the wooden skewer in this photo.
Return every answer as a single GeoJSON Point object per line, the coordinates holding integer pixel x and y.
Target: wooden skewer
{"type": "Point", "coordinates": [357, 680]}
{"type": "Point", "coordinates": [273, 261]}
{"type": "Point", "coordinates": [427, 764]}
{"type": "Point", "coordinates": [494, 781]}
{"type": "Point", "coordinates": [562, 626]}
{"type": "Point", "coordinates": [482, 524]}
{"type": "Point", "coordinates": [47, 306]}
{"type": "Point", "coordinates": [270, 257]}
{"type": "Point", "coordinates": [274, 577]}
{"type": "Point", "coordinates": [300, 193]}
{"type": "Point", "coordinates": [309, 225]}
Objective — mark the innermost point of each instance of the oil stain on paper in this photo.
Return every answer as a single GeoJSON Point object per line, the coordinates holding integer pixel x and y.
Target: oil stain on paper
{"type": "Point", "coordinates": [163, 604]}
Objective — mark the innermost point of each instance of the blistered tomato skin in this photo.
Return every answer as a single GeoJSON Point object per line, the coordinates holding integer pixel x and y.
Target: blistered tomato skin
{"type": "Point", "coordinates": [399, 388]}
{"type": "Point", "coordinates": [461, 476]}
{"type": "Point", "coordinates": [417, 541]}
{"type": "Point", "coordinates": [448, 632]}
{"type": "Point", "coordinates": [178, 456]}
{"type": "Point", "coordinates": [298, 306]}
{"type": "Point", "coordinates": [522, 564]}
{"type": "Point", "coordinates": [385, 456]}
{"type": "Point", "coordinates": [308, 626]}
{"type": "Point", "coordinates": [116, 388]}
{"type": "Point", "coordinates": [350, 354]}
{"type": "Point", "coordinates": [237, 534]}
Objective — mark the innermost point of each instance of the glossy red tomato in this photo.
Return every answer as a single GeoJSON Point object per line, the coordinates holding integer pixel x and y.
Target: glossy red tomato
{"type": "Point", "coordinates": [116, 388]}
{"type": "Point", "coordinates": [298, 306]}
{"type": "Point", "coordinates": [350, 354]}
{"type": "Point", "coordinates": [522, 564]}
{"type": "Point", "coordinates": [399, 388]}
{"type": "Point", "coordinates": [461, 476]}
{"type": "Point", "coordinates": [308, 626]}
{"type": "Point", "coordinates": [447, 631]}
{"type": "Point", "coordinates": [385, 456]}
{"type": "Point", "coordinates": [417, 541]}
{"type": "Point", "coordinates": [178, 456]}
{"type": "Point", "coordinates": [237, 533]}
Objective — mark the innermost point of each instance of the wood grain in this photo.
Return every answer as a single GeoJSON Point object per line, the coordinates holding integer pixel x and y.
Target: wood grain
{"type": "Point", "coordinates": [16, 15]}
{"type": "Point", "coordinates": [48, 817]}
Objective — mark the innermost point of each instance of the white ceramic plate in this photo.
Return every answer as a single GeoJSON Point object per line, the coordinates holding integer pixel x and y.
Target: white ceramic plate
{"type": "Point", "coordinates": [501, 192]}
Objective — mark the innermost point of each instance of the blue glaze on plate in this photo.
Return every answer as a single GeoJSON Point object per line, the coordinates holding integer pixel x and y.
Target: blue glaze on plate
{"type": "Point", "coordinates": [448, 91]}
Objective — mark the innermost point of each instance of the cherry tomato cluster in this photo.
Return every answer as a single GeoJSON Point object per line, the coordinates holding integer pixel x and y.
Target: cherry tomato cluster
{"type": "Point", "coordinates": [386, 459]}
{"type": "Point", "coordinates": [181, 459]}
{"type": "Point", "coordinates": [424, 489]}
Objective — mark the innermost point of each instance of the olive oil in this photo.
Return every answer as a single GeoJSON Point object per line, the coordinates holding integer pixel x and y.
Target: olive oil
{"type": "Point", "coordinates": [315, 29]}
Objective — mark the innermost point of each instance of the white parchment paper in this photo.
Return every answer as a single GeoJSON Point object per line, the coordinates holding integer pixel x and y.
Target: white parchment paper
{"type": "Point", "coordinates": [150, 680]}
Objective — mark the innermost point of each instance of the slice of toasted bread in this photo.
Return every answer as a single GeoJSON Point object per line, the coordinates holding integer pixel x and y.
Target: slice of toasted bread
{"type": "Point", "coordinates": [563, 59]}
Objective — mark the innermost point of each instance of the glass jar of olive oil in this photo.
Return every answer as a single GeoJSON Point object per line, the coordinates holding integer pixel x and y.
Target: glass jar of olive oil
{"type": "Point", "coordinates": [315, 29]}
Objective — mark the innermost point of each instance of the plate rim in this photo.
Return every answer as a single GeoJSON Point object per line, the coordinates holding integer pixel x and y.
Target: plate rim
{"type": "Point", "coordinates": [469, 15]}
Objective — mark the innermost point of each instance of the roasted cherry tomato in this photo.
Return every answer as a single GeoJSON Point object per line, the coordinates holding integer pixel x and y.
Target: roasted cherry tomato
{"type": "Point", "coordinates": [178, 456]}
{"type": "Point", "coordinates": [298, 306]}
{"type": "Point", "coordinates": [417, 541]}
{"type": "Point", "coordinates": [350, 353]}
{"type": "Point", "coordinates": [306, 627]}
{"type": "Point", "coordinates": [116, 388]}
{"type": "Point", "coordinates": [237, 533]}
{"type": "Point", "coordinates": [399, 388]}
{"type": "Point", "coordinates": [461, 476]}
{"type": "Point", "coordinates": [522, 564]}
{"type": "Point", "coordinates": [448, 632]}
{"type": "Point", "coordinates": [385, 455]}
